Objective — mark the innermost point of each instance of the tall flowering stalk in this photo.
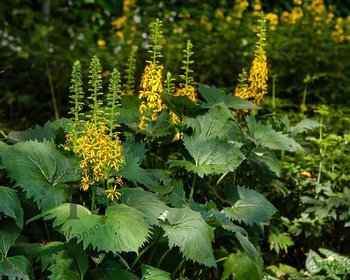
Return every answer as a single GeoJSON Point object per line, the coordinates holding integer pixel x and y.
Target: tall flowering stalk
{"type": "Point", "coordinates": [186, 87]}
{"type": "Point", "coordinates": [130, 73]}
{"type": "Point", "coordinates": [93, 138]}
{"type": "Point", "coordinates": [258, 74]}
{"type": "Point", "coordinates": [152, 80]}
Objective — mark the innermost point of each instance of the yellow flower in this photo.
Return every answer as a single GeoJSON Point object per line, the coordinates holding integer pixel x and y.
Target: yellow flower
{"type": "Point", "coordinates": [119, 23]}
{"type": "Point", "coordinates": [99, 151]}
{"type": "Point", "coordinates": [85, 183]}
{"type": "Point", "coordinates": [101, 43]}
{"type": "Point", "coordinates": [298, 2]}
{"type": "Point", "coordinates": [219, 14]}
{"type": "Point", "coordinates": [189, 91]}
{"type": "Point", "coordinates": [150, 93]}
{"type": "Point", "coordinates": [273, 20]}
{"type": "Point", "coordinates": [113, 193]}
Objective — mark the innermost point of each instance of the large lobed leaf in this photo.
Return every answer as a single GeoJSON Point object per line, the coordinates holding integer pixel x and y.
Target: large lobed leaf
{"type": "Point", "coordinates": [214, 96]}
{"type": "Point", "coordinates": [211, 156]}
{"type": "Point", "coordinates": [121, 229]}
{"type": "Point", "coordinates": [188, 231]}
{"type": "Point", "coordinates": [69, 264]}
{"type": "Point", "coordinates": [146, 202]}
{"type": "Point", "coordinates": [266, 136]}
{"type": "Point", "coordinates": [41, 171]}
{"type": "Point", "coordinates": [250, 208]}
{"type": "Point", "coordinates": [39, 133]}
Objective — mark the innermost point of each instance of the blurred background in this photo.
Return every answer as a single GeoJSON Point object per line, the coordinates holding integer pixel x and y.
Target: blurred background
{"type": "Point", "coordinates": [307, 46]}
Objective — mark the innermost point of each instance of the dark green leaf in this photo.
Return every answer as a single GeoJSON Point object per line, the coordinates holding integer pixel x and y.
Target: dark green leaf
{"type": "Point", "coordinates": [266, 136]}
{"type": "Point", "coordinates": [69, 264]}
{"type": "Point", "coordinates": [39, 133]}
{"type": "Point", "coordinates": [267, 158]}
{"type": "Point", "coordinates": [10, 205]}
{"type": "Point", "coordinates": [152, 273]}
{"type": "Point", "coordinates": [41, 171]}
{"type": "Point", "coordinates": [181, 105]}
{"type": "Point", "coordinates": [147, 203]}
{"type": "Point", "coordinates": [241, 267]}
{"type": "Point", "coordinates": [177, 197]}
{"type": "Point", "coordinates": [247, 246]}
{"type": "Point", "coordinates": [16, 267]}
{"type": "Point", "coordinates": [189, 232]}
{"type": "Point", "coordinates": [251, 208]}
{"type": "Point", "coordinates": [8, 235]}
{"type": "Point", "coordinates": [214, 96]}
{"type": "Point", "coordinates": [303, 126]}
{"type": "Point", "coordinates": [211, 156]}
{"type": "Point", "coordinates": [113, 232]}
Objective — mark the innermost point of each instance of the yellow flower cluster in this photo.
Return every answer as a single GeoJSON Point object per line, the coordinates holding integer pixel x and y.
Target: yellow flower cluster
{"type": "Point", "coordinates": [238, 10]}
{"type": "Point", "coordinates": [258, 74]}
{"type": "Point", "coordinates": [119, 22]}
{"type": "Point", "coordinates": [272, 19]}
{"type": "Point", "coordinates": [258, 77]}
{"type": "Point", "coordinates": [338, 33]}
{"type": "Point", "coordinates": [150, 94]}
{"type": "Point", "coordinates": [100, 151]}
{"type": "Point", "coordinates": [189, 91]}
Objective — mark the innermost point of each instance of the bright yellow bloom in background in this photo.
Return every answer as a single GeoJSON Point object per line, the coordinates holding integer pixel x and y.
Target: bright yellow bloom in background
{"type": "Point", "coordinates": [258, 74]}
{"type": "Point", "coordinates": [101, 43]}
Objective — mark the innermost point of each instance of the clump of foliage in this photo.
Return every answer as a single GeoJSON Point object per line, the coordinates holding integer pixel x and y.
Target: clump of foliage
{"type": "Point", "coordinates": [118, 199]}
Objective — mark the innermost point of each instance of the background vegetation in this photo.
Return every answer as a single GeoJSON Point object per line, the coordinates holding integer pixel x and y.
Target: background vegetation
{"type": "Point", "coordinates": [307, 50]}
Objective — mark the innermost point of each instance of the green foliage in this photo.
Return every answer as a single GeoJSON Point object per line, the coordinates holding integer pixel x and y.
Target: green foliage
{"type": "Point", "coordinates": [241, 267]}
{"type": "Point", "coordinates": [250, 207]}
{"type": "Point", "coordinates": [266, 136]}
{"type": "Point", "coordinates": [71, 264]}
{"type": "Point", "coordinates": [10, 205]}
{"type": "Point", "coordinates": [43, 173]}
{"type": "Point", "coordinates": [39, 133]}
{"type": "Point", "coordinates": [195, 196]}
{"type": "Point", "coordinates": [152, 273]}
{"type": "Point", "coordinates": [16, 267]}
{"type": "Point", "coordinates": [187, 230]}
{"type": "Point", "coordinates": [214, 96]}
{"type": "Point", "coordinates": [111, 232]}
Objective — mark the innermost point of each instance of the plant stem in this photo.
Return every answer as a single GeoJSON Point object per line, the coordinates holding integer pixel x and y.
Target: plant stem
{"type": "Point", "coordinates": [140, 255]}
{"type": "Point", "coordinates": [304, 95]}
{"type": "Point", "coordinates": [193, 184]}
{"type": "Point", "coordinates": [162, 257]}
{"type": "Point", "coordinates": [273, 92]}
{"type": "Point", "coordinates": [52, 91]}
{"type": "Point", "coordinates": [47, 231]}
{"type": "Point", "coordinates": [93, 206]}
{"type": "Point", "coordinates": [321, 151]}
{"type": "Point", "coordinates": [177, 269]}
{"type": "Point", "coordinates": [221, 178]}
